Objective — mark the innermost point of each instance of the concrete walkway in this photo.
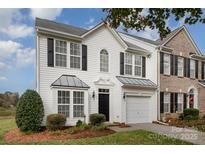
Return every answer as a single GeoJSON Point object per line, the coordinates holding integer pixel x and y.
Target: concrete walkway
{"type": "Point", "coordinates": [189, 135]}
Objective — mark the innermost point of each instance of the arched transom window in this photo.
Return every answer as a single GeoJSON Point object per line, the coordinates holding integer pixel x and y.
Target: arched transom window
{"type": "Point", "coordinates": [104, 61]}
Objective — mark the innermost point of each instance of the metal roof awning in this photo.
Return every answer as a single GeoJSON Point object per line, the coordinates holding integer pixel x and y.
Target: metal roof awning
{"type": "Point", "coordinates": [136, 82]}
{"type": "Point", "coordinates": [69, 81]}
{"type": "Point", "coordinates": [202, 82]}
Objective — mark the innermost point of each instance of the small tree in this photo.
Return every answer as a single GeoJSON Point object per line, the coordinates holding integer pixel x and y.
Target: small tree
{"type": "Point", "coordinates": [29, 111]}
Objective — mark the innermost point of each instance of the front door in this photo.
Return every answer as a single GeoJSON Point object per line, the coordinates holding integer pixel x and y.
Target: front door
{"type": "Point", "coordinates": [103, 100]}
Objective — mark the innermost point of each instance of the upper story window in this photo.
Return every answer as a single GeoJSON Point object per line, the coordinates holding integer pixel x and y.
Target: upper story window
{"type": "Point", "coordinates": [61, 53]}
{"type": "Point", "coordinates": [192, 68]}
{"type": "Point", "coordinates": [180, 66]}
{"type": "Point", "coordinates": [128, 63]}
{"type": "Point", "coordinates": [166, 102]}
{"type": "Point", "coordinates": [104, 61]}
{"type": "Point", "coordinates": [138, 65]}
{"type": "Point", "coordinates": [75, 55]}
{"type": "Point", "coordinates": [167, 64]}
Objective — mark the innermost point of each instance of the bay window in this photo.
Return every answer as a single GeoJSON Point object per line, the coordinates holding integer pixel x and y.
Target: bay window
{"type": "Point", "coordinates": [75, 55]}
{"type": "Point", "coordinates": [167, 64]}
{"type": "Point", "coordinates": [64, 102]}
{"type": "Point", "coordinates": [61, 53]}
{"type": "Point", "coordinates": [180, 102]}
{"type": "Point", "coordinates": [78, 104]}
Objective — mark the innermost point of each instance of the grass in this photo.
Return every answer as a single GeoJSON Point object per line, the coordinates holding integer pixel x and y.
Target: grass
{"type": "Point", "coordinates": [138, 137]}
{"type": "Point", "coordinates": [7, 112]}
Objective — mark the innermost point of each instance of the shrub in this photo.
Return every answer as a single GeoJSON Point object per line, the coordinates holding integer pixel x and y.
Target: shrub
{"type": "Point", "coordinates": [97, 119]}
{"type": "Point", "coordinates": [29, 111]}
{"type": "Point", "coordinates": [99, 127]}
{"type": "Point", "coordinates": [79, 123]}
{"type": "Point", "coordinates": [191, 114]}
{"type": "Point", "coordinates": [181, 116]}
{"type": "Point", "coordinates": [55, 121]}
{"type": "Point", "coordinates": [82, 125]}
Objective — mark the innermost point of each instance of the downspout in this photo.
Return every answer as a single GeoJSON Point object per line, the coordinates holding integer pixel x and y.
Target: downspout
{"type": "Point", "coordinates": [158, 83]}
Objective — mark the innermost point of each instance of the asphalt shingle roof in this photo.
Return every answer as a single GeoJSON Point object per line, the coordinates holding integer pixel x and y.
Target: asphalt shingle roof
{"type": "Point", "coordinates": [128, 81]}
{"type": "Point", "coordinates": [44, 23]}
{"type": "Point", "coordinates": [69, 81]}
{"type": "Point", "coordinates": [133, 46]}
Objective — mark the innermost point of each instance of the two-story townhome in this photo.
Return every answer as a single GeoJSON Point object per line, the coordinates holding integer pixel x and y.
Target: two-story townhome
{"type": "Point", "coordinates": [80, 72]}
{"type": "Point", "coordinates": [127, 78]}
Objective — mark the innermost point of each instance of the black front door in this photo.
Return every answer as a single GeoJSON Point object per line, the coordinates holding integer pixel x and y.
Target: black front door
{"type": "Point", "coordinates": [103, 100]}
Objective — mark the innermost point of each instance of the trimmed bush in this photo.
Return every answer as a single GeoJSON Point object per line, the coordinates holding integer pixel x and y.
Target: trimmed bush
{"type": "Point", "coordinates": [191, 114]}
{"type": "Point", "coordinates": [82, 125]}
{"type": "Point", "coordinates": [55, 121]}
{"type": "Point", "coordinates": [79, 123]}
{"type": "Point", "coordinates": [97, 119]}
{"type": "Point", "coordinates": [29, 111]}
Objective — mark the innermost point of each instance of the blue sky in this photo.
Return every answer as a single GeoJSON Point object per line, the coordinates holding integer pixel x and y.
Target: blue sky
{"type": "Point", "coordinates": [17, 40]}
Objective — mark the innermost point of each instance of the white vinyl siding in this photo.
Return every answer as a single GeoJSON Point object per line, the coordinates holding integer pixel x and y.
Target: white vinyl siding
{"type": "Point", "coordinates": [60, 53]}
{"type": "Point", "coordinates": [78, 104]}
{"type": "Point", "coordinates": [166, 102]}
{"type": "Point", "coordinates": [192, 68]}
{"type": "Point", "coordinates": [138, 65]}
{"type": "Point", "coordinates": [180, 102]}
{"type": "Point", "coordinates": [128, 63]}
{"type": "Point", "coordinates": [64, 102]}
{"type": "Point", "coordinates": [75, 55]}
{"type": "Point", "coordinates": [104, 61]}
{"type": "Point", "coordinates": [167, 64]}
{"type": "Point", "coordinates": [180, 66]}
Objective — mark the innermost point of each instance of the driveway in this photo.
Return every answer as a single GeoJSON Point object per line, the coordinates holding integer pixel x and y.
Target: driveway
{"type": "Point", "coordinates": [190, 135]}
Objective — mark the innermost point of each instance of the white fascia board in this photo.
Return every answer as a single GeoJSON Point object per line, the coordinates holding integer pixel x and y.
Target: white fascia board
{"type": "Point", "coordinates": [50, 31]}
{"type": "Point", "coordinates": [93, 29]}
{"type": "Point", "coordinates": [143, 52]}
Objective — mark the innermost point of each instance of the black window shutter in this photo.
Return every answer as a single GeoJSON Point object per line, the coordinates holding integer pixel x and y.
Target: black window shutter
{"type": "Point", "coordinates": [84, 57]}
{"type": "Point", "coordinates": [172, 64]}
{"type": "Point", "coordinates": [188, 67]}
{"type": "Point", "coordinates": [185, 101]}
{"type": "Point", "coordinates": [121, 63]}
{"type": "Point", "coordinates": [50, 54]}
{"type": "Point", "coordinates": [161, 62]}
{"type": "Point", "coordinates": [202, 70]}
{"type": "Point", "coordinates": [172, 102]}
{"type": "Point", "coordinates": [176, 65]}
{"type": "Point", "coordinates": [196, 69]}
{"type": "Point", "coordinates": [161, 102]}
{"type": "Point", "coordinates": [176, 101]}
{"type": "Point", "coordinates": [185, 67]}
{"type": "Point", "coordinates": [143, 67]}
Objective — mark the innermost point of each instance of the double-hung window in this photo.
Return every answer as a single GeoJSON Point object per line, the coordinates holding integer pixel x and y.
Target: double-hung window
{"type": "Point", "coordinates": [167, 64]}
{"type": "Point", "coordinates": [104, 61]}
{"type": "Point", "coordinates": [180, 66]}
{"type": "Point", "coordinates": [61, 53]}
{"type": "Point", "coordinates": [78, 104]}
{"type": "Point", "coordinates": [192, 68]}
{"type": "Point", "coordinates": [128, 63]}
{"type": "Point", "coordinates": [75, 55]}
{"type": "Point", "coordinates": [138, 65]}
{"type": "Point", "coordinates": [64, 102]}
{"type": "Point", "coordinates": [180, 102]}
{"type": "Point", "coordinates": [166, 102]}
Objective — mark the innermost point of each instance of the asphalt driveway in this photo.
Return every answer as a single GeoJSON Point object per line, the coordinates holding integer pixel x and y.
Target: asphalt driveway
{"type": "Point", "coordinates": [186, 134]}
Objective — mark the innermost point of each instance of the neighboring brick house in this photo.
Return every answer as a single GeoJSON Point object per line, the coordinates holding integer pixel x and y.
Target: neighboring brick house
{"type": "Point", "coordinates": [181, 74]}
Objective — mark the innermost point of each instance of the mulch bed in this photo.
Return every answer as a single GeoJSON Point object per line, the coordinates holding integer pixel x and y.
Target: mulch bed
{"type": "Point", "coordinates": [16, 136]}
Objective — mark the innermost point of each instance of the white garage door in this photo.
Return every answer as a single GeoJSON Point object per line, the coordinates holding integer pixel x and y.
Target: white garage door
{"type": "Point", "coordinates": [137, 109]}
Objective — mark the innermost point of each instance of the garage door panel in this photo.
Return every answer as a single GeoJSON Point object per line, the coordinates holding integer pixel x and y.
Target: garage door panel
{"type": "Point", "coordinates": [137, 109]}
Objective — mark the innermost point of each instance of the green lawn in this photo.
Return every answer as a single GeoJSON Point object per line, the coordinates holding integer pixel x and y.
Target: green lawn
{"type": "Point", "coordinates": [134, 137]}
{"type": "Point", "coordinates": [7, 112]}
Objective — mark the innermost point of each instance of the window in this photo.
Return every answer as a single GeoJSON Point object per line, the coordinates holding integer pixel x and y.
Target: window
{"type": "Point", "coordinates": [167, 64]}
{"type": "Point", "coordinates": [180, 103]}
{"type": "Point", "coordinates": [78, 104]}
{"type": "Point", "coordinates": [180, 66]}
{"type": "Point", "coordinates": [138, 65]}
{"type": "Point", "coordinates": [166, 102]}
{"type": "Point", "coordinates": [75, 55]}
{"type": "Point", "coordinates": [61, 53]}
{"type": "Point", "coordinates": [192, 68]}
{"type": "Point", "coordinates": [104, 61]}
{"type": "Point", "coordinates": [64, 102]}
{"type": "Point", "coordinates": [128, 63]}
